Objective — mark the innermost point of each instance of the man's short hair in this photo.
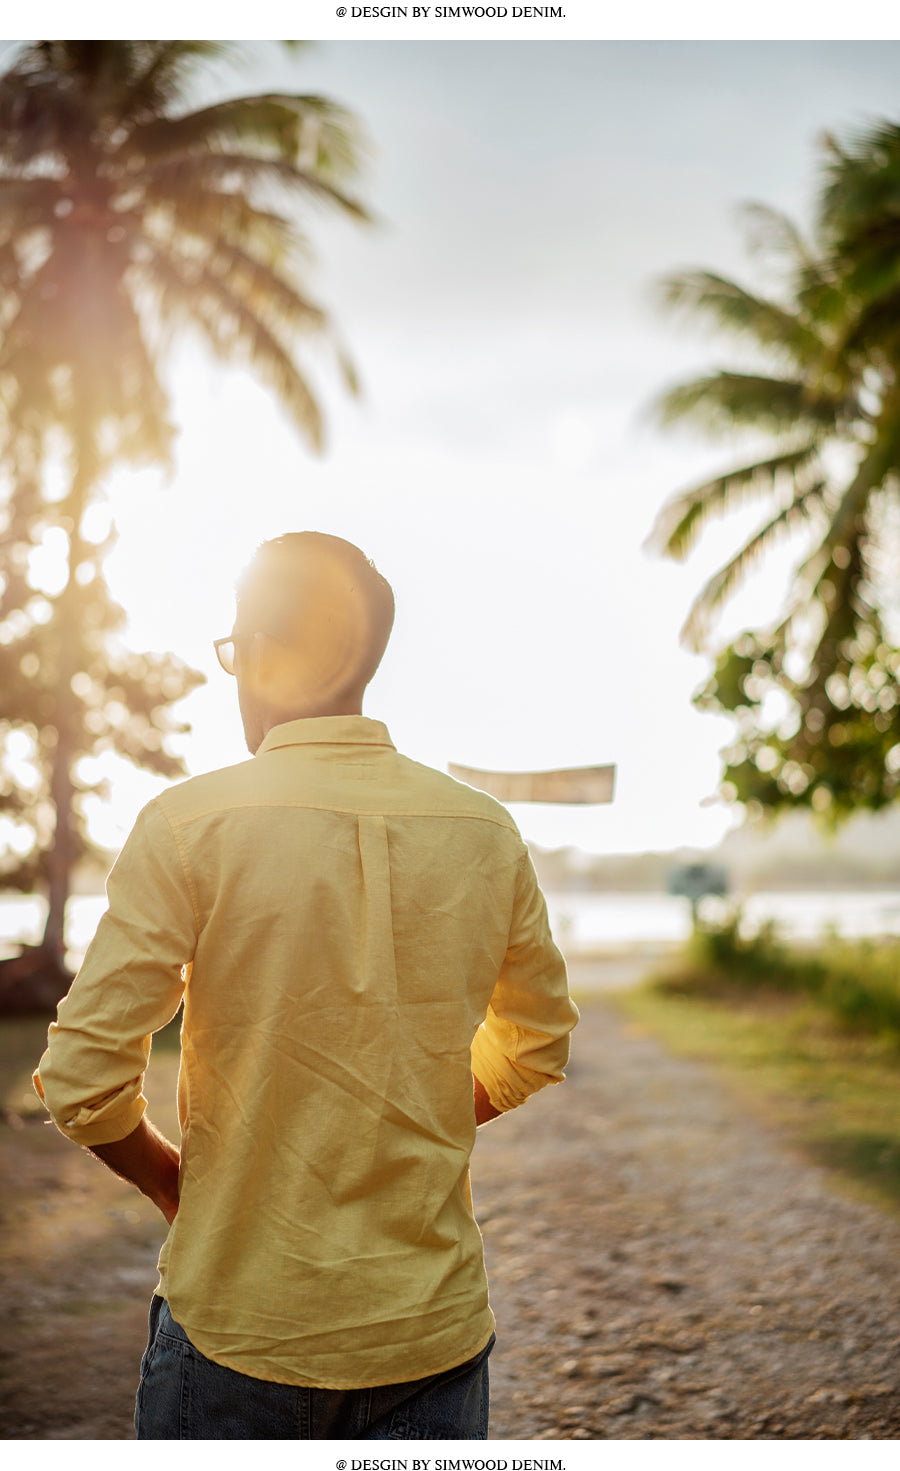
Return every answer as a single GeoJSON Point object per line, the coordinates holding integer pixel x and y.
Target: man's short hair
{"type": "Point", "coordinates": [298, 574]}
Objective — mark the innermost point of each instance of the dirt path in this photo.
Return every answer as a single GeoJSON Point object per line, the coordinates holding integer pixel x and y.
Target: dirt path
{"type": "Point", "coordinates": [664, 1267]}
{"type": "Point", "coordinates": [661, 1267]}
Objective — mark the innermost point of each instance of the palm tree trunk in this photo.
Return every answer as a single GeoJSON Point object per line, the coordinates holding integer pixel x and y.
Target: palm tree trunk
{"type": "Point", "coordinates": [59, 862]}
{"type": "Point", "coordinates": [61, 856]}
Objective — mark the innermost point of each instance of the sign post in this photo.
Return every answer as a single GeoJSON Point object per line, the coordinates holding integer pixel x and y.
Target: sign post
{"type": "Point", "coordinates": [574, 784]}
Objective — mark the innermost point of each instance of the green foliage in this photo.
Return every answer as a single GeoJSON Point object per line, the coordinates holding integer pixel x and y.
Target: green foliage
{"type": "Point", "coordinates": [814, 694]}
{"type": "Point", "coordinates": [114, 701]}
{"type": "Point", "coordinates": [860, 212]}
{"type": "Point", "coordinates": [836, 746]}
{"type": "Point", "coordinates": [861, 985]}
{"type": "Point", "coordinates": [857, 982]}
{"type": "Point", "coordinates": [722, 950]}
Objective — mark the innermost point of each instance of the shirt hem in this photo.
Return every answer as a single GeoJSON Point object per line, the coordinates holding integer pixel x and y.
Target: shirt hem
{"type": "Point", "coordinates": [320, 1381]}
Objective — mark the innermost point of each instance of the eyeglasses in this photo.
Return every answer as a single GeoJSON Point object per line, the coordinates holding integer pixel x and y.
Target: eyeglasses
{"type": "Point", "coordinates": [224, 648]}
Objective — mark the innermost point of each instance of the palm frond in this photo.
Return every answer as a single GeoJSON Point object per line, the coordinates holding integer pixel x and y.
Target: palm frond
{"type": "Point", "coordinates": [159, 74]}
{"type": "Point", "coordinates": [773, 233]}
{"type": "Point", "coordinates": [683, 517]}
{"type": "Point", "coordinates": [263, 290]}
{"type": "Point", "coordinates": [224, 218]}
{"type": "Point", "coordinates": [877, 322]}
{"type": "Point", "coordinates": [332, 141]}
{"type": "Point", "coordinates": [729, 307]}
{"type": "Point", "coordinates": [723, 583]}
{"type": "Point", "coordinates": [724, 401]}
{"type": "Point", "coordinates": [347, 370]}
{"type": "Point", "coordinates": [860, 177]}
{"type": "Point", "coordinates": [273, 293]}
{"type": "Point", "coordinates": [36, 116]}
{"type": "Point", "coordinates": [880, 464]}
{"type": "Point", "coordinates": [181, 175]}
{"type": "Point", "coordinates": [197, 297]}
{"type": "Point", "coordinates": [308, 131]}
{"type": "Point", "coordinates": [834, 591]}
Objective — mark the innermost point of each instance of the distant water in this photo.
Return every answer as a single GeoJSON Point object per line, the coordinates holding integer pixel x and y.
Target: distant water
{"type": "Point", "coordinates": [580, 921]}
{"type": "Point", "coordinates": [22, 918]}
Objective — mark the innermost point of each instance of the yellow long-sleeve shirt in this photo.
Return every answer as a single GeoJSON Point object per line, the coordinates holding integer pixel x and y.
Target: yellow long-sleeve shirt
{"type": "Point", "coordinates": [354, 934]}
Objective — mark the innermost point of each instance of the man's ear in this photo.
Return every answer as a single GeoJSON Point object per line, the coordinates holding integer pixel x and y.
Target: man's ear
{"type": "Point", "coordinates": [251, 668]}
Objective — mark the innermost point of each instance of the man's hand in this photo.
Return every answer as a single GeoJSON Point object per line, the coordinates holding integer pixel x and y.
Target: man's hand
{"type": "Point", "coordinates": [484, 1109]}
{"type": "Point", "coordinates": [148, 1160]}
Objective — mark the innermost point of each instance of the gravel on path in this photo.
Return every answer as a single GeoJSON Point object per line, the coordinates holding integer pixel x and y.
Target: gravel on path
{"type": "Point", "coordinates": [662, 1266]}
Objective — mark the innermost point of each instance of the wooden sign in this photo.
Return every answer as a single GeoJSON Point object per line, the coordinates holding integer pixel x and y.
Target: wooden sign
{"type": "Point", "coordinates": [581, 784]}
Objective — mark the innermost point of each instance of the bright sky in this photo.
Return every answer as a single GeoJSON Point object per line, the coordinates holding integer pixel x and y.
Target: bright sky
{"type": "Point", "coordinates": [500, 468]}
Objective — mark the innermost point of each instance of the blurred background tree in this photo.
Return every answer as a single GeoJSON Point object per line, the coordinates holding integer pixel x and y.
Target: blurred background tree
{"type": "Point", "coordinates": [814, 694]}
{"type": "Point", "coordinates": [127, 217]}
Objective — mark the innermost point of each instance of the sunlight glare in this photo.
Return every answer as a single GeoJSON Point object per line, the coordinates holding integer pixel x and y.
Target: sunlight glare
{"type": "Point", "coordinates": [48, 563]}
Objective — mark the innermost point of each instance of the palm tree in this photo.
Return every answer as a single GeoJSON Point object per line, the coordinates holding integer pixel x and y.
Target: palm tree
{"type": "Point", "coordinates": [860, 219]}
{"type": "Point", "coordinates": [128, 216]}
{"type": "Point", "coordinates": [824, 397]}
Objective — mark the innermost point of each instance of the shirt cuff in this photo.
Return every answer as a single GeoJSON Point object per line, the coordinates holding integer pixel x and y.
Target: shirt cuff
{"type": "Point", "coordinates": [103, 1121]}
{"type": "Point", "coordinates": [510, 1084]}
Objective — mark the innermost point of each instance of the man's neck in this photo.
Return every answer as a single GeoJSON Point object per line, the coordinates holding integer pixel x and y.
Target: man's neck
{"type": "Point", "coordinates": [316, 712]}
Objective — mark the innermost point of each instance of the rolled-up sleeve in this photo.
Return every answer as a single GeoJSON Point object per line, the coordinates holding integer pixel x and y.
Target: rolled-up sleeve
{"type": "Point", "coordinates": [130, 984]}
{"type": "Point", "coordinates": [523, 1043]}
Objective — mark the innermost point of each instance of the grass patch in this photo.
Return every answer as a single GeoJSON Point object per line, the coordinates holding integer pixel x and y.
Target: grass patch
{"type": "Point", "coordinates": [858, 982]}
{"type": "Point", "coordinates": [22, 1043]}
{"type": "Point", "coordinates": [828, 1083]}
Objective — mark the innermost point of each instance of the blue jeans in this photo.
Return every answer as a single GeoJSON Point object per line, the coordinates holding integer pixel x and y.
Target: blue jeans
{"type": "Point", "coordinates": [185, 1396]}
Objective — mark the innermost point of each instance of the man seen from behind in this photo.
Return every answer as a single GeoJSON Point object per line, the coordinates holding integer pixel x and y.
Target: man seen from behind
{"type": "Point", "coordinates": [367, 974]}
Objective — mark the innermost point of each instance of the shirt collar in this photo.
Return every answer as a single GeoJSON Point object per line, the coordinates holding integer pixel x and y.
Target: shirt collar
{"type": "Point", "coordinates": [327, 730]}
